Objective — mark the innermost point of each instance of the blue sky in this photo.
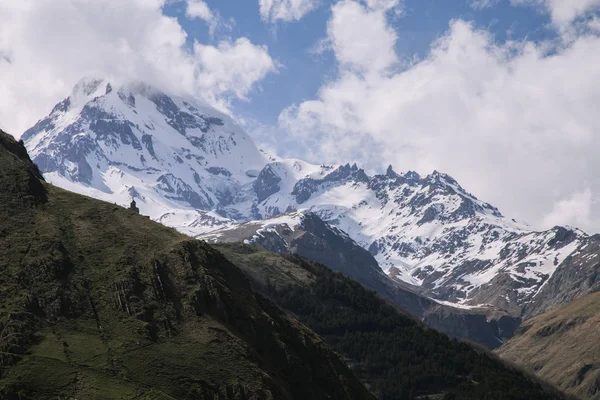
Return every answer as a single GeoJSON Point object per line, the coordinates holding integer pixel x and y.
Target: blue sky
{"type": "Point", "coordinates": [302, 72]}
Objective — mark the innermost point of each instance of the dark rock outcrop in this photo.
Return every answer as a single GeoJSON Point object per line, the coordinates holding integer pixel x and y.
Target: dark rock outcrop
{"type": "Point", "coordinates": [576, 277]}
{"type": "Point", "coordinates": [266, 184]}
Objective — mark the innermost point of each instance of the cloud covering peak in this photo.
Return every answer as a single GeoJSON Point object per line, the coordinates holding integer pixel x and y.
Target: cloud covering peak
{"type": "Point", "coordinates": [48, 45]}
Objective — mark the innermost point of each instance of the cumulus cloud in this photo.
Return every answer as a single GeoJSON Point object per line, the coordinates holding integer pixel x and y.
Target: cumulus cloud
{"type": "Point", "coordinates": [516, 123]}
{"type": "Point", "coordinates": [199, 9]}
{"type": "Point", "coordinates": [46, 46]}
{"type": "Point", "coordinates": [225, 70]}
{"type": "Point", "coordinates": [574, 210]}
{"type": "Point", "coordinates": [364, 50]}
{"type": "Point", "coordinates": [285, 10]}
{"type": "Point", "coordinates": [563, 12]}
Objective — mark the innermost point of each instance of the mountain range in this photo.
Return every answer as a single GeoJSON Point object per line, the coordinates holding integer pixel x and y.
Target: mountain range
{"type": "Point", "coordinates": [100, 302]}
{"type": "Point", "coordinates": [426, 238]}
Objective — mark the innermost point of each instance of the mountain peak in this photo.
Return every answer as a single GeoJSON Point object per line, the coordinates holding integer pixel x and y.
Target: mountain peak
{"type": "Point", "coordinates": [412, 176]}
{"type": "Point", "coordinates": [107, 136]}
{"type": "Point", "coordinates": [87, 86]}
{"type": "Point", "coordinates": [437, 177]}
{"type": "Point", "coordinates": [390, 173]}
{"type": "Point", "coordinates": [87, 89]}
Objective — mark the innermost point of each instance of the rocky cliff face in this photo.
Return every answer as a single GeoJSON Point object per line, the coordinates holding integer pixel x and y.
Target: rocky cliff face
{"type": "Point", "coordinates": [576, 277]}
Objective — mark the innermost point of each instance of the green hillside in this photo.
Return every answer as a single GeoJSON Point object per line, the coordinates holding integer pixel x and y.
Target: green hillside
{"type": "Point", "coordinates": [98, 302]}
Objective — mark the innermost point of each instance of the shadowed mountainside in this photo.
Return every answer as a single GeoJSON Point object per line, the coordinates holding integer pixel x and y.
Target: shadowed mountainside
{"type": "Point", "coordinates": [395, 355]}
{"type": "Point", "coordinates": [305, 234]}
{"type": "Point", "coordinates": [99, 302]}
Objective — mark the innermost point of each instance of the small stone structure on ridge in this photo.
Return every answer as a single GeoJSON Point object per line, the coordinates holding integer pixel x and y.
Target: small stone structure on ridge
{"type": "Point", "coordinates": [133, 207]}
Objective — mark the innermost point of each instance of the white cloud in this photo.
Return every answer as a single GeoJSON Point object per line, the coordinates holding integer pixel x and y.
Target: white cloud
{"type": "Point", "coordinates": [594, 24]}
{"type": "Point", "coordinates": [382, 4]}
{"type": "Point", "coordinates": [481, 4]}
{"type": "Point", "coordinates": [199, 9]}
{"type": "Point", "coordinates": [515, 123]}
{"type": "Point", "coordinates": [286, 10]}
{"type": "Point", "coordinates": [574, 210]}
{"type": "Point", "coordinates": [226, 69]}
{"type": "Point", "coordinates": [368, 49]}
{"type": "Point", "coordinates": [48, 45]}
{"type": "Point", "coordinates": [564, 12]}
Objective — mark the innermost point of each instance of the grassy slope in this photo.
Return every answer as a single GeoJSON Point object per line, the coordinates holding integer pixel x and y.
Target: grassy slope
{"type": "Point", "coordinates": [98, 302]}
{"type": "Point", "coordinates": [396, 356]}
{"type": "Point", "coordinates": [562, 346]}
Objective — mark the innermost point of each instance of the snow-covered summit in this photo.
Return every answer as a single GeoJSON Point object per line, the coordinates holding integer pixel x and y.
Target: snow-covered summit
{"type": "Point", "coordinates": [133, 140]}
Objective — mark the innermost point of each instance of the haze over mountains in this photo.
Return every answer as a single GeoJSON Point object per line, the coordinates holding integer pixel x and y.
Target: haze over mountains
{"type": "Point", "coordinates": [190, 167]}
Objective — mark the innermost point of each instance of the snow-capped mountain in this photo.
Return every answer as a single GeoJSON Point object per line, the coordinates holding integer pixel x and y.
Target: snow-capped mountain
{"type": "Point", "coordinates": [181, 160]}
{"type": "Point", "coordinates": [191, 167]}
{"type": "Point", "coordinates": [427, 232]}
